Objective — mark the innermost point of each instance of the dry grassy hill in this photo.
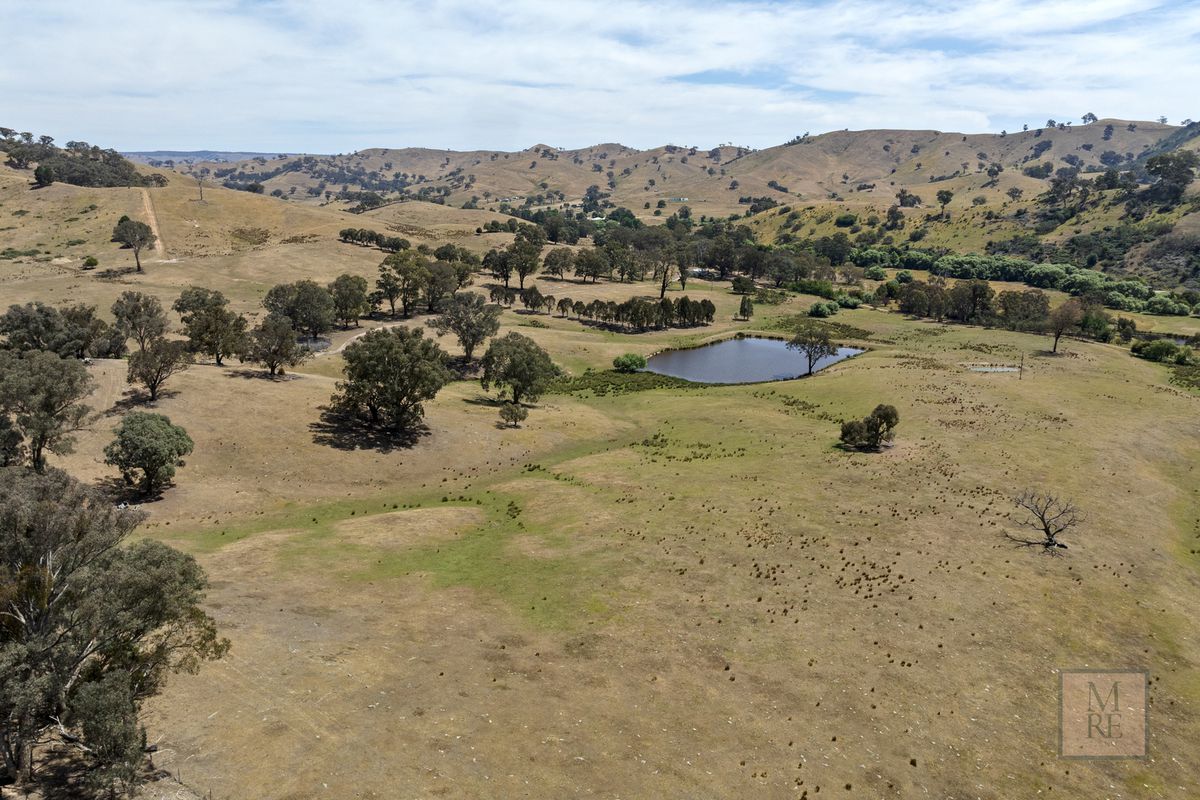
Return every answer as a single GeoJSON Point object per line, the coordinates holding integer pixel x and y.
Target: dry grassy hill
{"type": "Point", "coordinates": [809, 169]}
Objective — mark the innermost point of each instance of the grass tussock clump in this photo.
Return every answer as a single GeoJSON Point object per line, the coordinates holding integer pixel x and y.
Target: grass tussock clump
{"type": "Point", "coordinates": [1186, 376]}
{"type": "Point", "coordinates": [254, 236]}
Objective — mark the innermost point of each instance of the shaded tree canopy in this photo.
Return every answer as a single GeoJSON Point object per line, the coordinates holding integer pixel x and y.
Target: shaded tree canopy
{"type": "Point", "coordinates": [148, 444]}
{"type": "Point", "coordinates": [91, 626]}
{"type": "Point", "coordinates": [41, 395]}
{"type": "Point", "coordinates": [520, 364]}
{"type": "Point", "coordinates": [390, 373]}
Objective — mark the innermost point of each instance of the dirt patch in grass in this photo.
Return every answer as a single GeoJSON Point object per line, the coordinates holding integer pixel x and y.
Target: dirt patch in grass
{"type": "Point", "coordinates": [399, 529]}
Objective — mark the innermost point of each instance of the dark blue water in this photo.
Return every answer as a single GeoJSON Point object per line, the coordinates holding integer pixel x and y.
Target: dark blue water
{"type": "Point", "coordinates": [747, 360]}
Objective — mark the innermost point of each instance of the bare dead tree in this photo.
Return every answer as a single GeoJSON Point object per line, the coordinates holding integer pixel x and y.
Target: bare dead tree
{"type": "Point", "coordinates": [1048, 514]}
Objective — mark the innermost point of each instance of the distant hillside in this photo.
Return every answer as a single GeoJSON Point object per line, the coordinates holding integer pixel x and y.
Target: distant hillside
{"type": "Point", "coordinates": [865, 167]}
{"type": "Point", "coordinates": [171, 157]}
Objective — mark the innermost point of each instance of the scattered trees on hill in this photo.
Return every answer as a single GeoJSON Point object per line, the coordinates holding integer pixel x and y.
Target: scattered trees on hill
{"type": "Point", "coordinates": [135, 235]}
{"type": "Point", "coordinates": [944, 196]}
{"type": "Point", "coordinates": [273, 345]}
{"type": "Point", "coordinates": [41, 402]}
{"type": "Point", "coordinates": [161, 359]}
{"type": "Point", "coordinates": [86, 649]}
{"type": "Point", "coordinates": [814, 344]}
{"type": "Point", "coordinates": [471, 321]}
{"type": "Point", "coordinates": [307, 304]}
{"type": "Point", "coordinates": [873, 431]}
{"type": "Point", "coordinates": [517, 363]}
{"type": "Point", "coordinates": [148, 444]}
{"type": "Point", "coordinates": [390, 373]}
{"type": "Point", "coordinates": [1175, 172]}
{"type": "Point", "coordinates": [141, 316]}
{"type": "Point", "coordinates": [211, 328]}
{"type": "Point", "coordinates": [79, 163]}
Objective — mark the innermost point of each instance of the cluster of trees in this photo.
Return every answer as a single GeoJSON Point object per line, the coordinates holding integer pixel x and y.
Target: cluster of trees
{"type": "Point", "coordinates": [975, 302]}
{"type": "Point", "coordinates": [410, 278]}
{"type": "Point", "coordinates": [79, 163]}
{"type": "Point", "coordinates": [1164, 351]}
{"type": "Point", "coordinates": [369, 238]}
{"type": "Point", "coordinates": [641, 314]}
{"type": "Point", "coordinates": [522, 257]}
{"type": "Point", "coordinates": [391, 373]}
{"type": "Point", "coordinates": [1124, 294]}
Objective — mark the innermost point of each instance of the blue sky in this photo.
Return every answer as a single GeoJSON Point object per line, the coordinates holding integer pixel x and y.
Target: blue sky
{"type": "Point", "coordinates": [315, 76]}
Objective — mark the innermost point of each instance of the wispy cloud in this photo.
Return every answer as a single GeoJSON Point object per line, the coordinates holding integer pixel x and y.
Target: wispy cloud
{"type": "Point", "coordinates": [233, 74]}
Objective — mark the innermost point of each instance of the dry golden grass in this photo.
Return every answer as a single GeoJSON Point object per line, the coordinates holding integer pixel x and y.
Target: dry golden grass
{"type": "Point", "coordinates": [562, 599]}
{"type": "Point", "coordinates": [664, 593]}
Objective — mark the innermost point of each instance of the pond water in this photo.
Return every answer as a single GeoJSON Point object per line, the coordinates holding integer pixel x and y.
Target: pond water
{"type": "Point", "coordinates": [745, 360]}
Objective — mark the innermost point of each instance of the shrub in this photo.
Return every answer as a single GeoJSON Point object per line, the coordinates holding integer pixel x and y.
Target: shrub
{"type": "Point", "coordinates": [513, 414]}
{"type": "Point", "coordinates": [845, 220]}
{"type": "Point", "coordinates": [871, 432]}
{"type": "Point", "coordinates": [822, 310]}
{"type": "Point", "coordinates": [743, 285]}
{"type": "Point", "coordinates": [1160, 350]}
{"type": "Point", "coordinates": [848, 301]}
{"type": "Point", "coordinates": [630, 362]}
{"type": "Point", "coordinates": [91, 262]}
{"type": "Point", "coordinates": [875, 273]}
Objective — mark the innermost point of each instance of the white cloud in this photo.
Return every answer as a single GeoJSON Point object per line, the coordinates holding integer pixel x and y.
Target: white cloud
{"type": "Point", "coordinates": [328, 77]}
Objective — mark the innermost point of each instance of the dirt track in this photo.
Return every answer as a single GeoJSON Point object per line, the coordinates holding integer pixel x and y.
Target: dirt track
{"type": "Point", "coordinates": [152, 221]}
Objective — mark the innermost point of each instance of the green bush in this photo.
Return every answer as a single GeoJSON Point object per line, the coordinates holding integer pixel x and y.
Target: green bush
{"type": "Point", "coordinates": [822, 310]}
{"type": "Point", "coordinates": [1161, 350]}
{"type": "Point", "coordinates": [743, 285]}
{"type": "Point", "coordinates": [91, 262]}
{"type": "Point", "coordinates": [875, 273]}
{"type": "Point", "coordinates": [630, 362]}
{"type": "Point", "coordinates": [848, 301]}
{"type": "Point", "coordinates": [873, 431]}
{"type": "Point", "coordinates": [845, 220]}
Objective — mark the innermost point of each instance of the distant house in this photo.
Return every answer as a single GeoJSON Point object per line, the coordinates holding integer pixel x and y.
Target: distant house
{"type": "Point", "coordinates": [677, 199]}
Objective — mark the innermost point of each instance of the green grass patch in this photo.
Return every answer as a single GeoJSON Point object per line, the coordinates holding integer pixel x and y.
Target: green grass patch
{"type": "Point", "coordinates": [10, 253]}
{"type": "Point", "coordinates": [611, 382]}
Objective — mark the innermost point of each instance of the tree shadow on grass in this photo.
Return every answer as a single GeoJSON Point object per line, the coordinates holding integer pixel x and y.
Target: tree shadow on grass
{"type": "Point", "coordinates": [348, 432]}
{"type": "Point", "coordinates": [138, 400]}
{"type": "Point", "coordinates": [61, 774]}
{"type": "Point", "coordinates": [248, 374]}
{"type": "Point", "coordinates": [117, 490]}
{"type": "Point", "coordinates": [485, 400]}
